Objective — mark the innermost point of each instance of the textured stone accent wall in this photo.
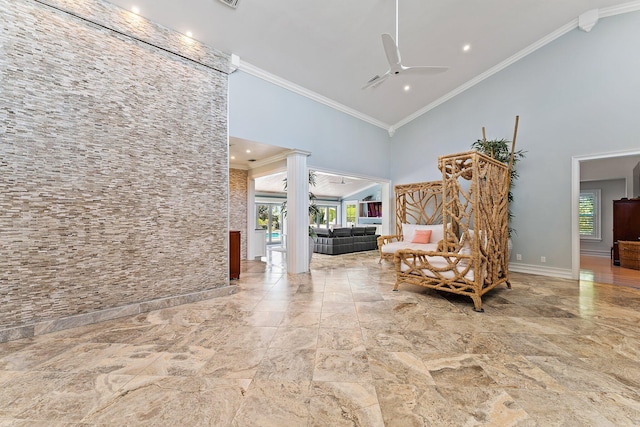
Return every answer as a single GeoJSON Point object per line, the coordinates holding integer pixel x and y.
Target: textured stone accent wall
{"type": "Point", "coordinates": [113, 165]}
{"type": "Point", "coordinates": [238, 193]}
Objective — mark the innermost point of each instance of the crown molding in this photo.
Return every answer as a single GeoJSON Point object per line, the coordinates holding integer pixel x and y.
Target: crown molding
{"type": "Point", "coordinates": [238, 166]}
{"type": "Point", "coordinates": [271, 78]}
{"type": "Point", "coordinates": [632, 6]}
{"type": "Point", "coordinates": [491, 71]}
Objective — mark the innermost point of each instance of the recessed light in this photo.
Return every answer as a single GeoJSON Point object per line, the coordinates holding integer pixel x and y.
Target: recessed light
{"type": "Point", "coordinates": [189, 34]}
{"type": "Point", "coordinates": [233, 157]}
{"type": "Point", "coordinates": [135, 10]}
{"type": "Point", "coordinates": [248, 151]}
{"type": "Point", "coordinates": [407, 88]}
{"type": "Point", "coordinates": [466, 47]}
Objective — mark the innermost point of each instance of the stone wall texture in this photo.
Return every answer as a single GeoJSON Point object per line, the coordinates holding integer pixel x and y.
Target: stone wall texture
{"type": "Point", "coordinates": [113, 164]}
{"type": "Point", "coordinates": [238, 196]}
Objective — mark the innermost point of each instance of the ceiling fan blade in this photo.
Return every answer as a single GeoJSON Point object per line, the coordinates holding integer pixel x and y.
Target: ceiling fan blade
{"type": "Point", "coordinates": [376, 80]}
{"type": "Point", "coordinates": [391, 50]}
{"type": "Point", "coordinates": [424, 69]}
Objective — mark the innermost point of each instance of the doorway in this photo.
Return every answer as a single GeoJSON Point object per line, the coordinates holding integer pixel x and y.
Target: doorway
{"type": "Point", "coordinates": [603, 159]}
{"type": "Point", "coordinates": [269, 218]}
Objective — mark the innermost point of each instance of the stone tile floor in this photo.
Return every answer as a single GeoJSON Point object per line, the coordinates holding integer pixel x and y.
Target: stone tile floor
{"type": "Point", "coordinates": [337, 347]}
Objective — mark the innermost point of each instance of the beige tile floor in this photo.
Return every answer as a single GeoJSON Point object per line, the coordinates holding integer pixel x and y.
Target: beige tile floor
{"type": "Point", "coordinates": [337, 347]}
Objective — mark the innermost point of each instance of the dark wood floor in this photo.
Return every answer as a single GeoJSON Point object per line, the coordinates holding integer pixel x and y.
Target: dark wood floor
{"type": "Point", "coordinates": [602, 270]}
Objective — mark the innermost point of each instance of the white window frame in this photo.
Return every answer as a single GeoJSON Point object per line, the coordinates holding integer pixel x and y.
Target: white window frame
{"type": "Point", "coordinates": [325, 207]}
{"type": "Point", "coordinates": [596, 195]}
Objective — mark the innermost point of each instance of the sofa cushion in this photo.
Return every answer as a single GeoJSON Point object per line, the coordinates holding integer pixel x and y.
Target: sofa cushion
{"type": "Point", "coordinates": [370, 230]}
{"type": "Point", "coordinates": [322, 232]}
{"type": "Point", "coordinates": [341, 232]}
{"type": "Point", "coordinates": [357, 231]}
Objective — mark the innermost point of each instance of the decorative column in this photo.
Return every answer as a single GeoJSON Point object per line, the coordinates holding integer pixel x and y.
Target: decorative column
{"type": "Point", "coordinates": [297, 212]}
{"type": "Point", "coordinates": [251, 217]}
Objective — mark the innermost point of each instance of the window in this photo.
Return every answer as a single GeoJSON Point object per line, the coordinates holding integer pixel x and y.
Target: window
{"type": "Point", "coordinates": [326, 217]}
{"type": "Point", "coordinates": [589, 211]}
{"type": "Point", "coordinates": [351, 207]}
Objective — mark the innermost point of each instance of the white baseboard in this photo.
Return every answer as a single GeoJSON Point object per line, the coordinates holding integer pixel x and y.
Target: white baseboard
{"type": "Point", "coordinates": [593, 252]}
{"type": "Point", "coordinates": [564, 273]}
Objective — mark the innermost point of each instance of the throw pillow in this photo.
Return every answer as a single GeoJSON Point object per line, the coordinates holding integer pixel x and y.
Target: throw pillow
{"type": "Point", "coordinates": [437, 231]}
{"type": "Point", "coordinates": [421, 236]}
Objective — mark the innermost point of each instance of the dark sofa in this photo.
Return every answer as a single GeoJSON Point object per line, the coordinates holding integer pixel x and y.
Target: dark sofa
{"type": "Point", "coordinates": [345, 240]}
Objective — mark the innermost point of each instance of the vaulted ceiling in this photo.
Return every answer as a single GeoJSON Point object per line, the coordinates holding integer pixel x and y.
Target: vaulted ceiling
{"type": "Point", "coordinates": [329, 49]}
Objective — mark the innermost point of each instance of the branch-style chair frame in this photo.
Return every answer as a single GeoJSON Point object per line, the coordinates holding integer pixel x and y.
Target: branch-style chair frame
{"type": "Point", "coordinates": [417, 203]}
{"type": "Point", "coordinates": [474, 257]}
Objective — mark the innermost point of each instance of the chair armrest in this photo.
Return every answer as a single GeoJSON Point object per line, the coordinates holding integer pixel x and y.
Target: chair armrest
{"type": "Point", "coordinates": [383, 240]}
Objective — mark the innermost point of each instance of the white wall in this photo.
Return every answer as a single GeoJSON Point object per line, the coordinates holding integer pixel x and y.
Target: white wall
{"type": "Point", "coordinates": [611, 168]}
{"type": "Point", "coordinates": [576, 96]}
{"type": "Point", "coordinates": [263, 112]}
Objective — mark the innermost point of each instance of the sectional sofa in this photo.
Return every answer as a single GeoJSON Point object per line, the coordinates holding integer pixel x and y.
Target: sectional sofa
{"type": "Point", "coordinates": [345, 240]}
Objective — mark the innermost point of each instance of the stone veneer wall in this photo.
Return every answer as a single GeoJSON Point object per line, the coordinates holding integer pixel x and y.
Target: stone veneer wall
{"type": "Point", "coordinates": [238, 195]}
{"type": "Point", "coordinates": [113, 166]}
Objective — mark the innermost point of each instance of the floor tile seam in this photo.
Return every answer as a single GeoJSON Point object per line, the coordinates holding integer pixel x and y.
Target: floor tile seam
{"type": "Point", "coordinates": [562, 379]}
{"type": "Point", "coordinates": [111, 396]}
{"type": "Point", "coordinates": [154, 360]}
{"type": "Point", "coordinates": [350, 382]}
{"type": "Point", "coordinates": [317, 332]}
{"type": "Point", "coordinates": [118, 346]}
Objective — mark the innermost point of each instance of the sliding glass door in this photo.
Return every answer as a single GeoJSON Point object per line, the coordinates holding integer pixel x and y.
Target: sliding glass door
{"type": "Point", "coordinates": [269, 216]}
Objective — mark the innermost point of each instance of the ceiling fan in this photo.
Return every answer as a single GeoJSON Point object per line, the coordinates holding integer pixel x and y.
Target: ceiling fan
{"type": "Point", "coordinates": [395, 64]}
{"type": "Point", "coordinates": [341, 182]}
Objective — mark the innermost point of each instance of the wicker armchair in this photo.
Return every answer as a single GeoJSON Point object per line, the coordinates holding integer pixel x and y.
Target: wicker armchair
{"type": "Point", "coordinates": [470, 262]}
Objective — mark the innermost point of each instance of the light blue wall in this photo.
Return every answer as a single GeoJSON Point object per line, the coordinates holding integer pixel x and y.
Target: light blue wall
{"type": "Point", "coordinates": [374, 192]}
{"type": "Point", "coordinates": [263, 112]}
{"type": "Point", "coordinates": [576, 96]}
{"type": "Point", "coordinates": [579, 95]}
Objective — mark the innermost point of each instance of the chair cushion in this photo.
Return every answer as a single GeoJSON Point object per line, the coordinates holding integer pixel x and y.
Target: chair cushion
{"type": "Point", "coordinates": [437, 231]}
{"type": "Point", "coordinates": [391, 248]}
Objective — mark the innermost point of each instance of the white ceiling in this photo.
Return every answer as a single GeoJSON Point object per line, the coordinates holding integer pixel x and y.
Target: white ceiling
{"type": "Point", "coordinates": [328, 186]}
{"type": "Point", "coordinates": [243, 154]}
{"type": "Point", "coordinates": [608, 168]}
{"type": "Point", "coordinates": [331, 48]}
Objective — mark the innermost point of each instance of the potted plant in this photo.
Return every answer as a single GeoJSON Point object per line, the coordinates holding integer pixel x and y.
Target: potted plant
{"type": "Point", "coordinates": [499, 149]}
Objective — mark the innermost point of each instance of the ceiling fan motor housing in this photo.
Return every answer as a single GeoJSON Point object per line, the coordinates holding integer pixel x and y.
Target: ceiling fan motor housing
{"type": "Point", "coordinates": [231, 3]}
